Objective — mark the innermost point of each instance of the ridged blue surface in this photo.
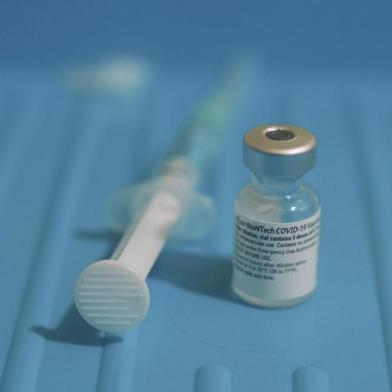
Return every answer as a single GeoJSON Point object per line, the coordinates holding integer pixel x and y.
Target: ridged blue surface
{"type": "Point", "coordinates": [61, 154]}
{"type": "Point", "coordinates": [212, 379]}
{"type": "Point", "coordinates": [310, 379]}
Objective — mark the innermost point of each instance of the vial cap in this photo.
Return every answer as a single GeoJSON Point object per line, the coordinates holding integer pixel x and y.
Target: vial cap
{"type": "Point", "coordinates": [279, 150]}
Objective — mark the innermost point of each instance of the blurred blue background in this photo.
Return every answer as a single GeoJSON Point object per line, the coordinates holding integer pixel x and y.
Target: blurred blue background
{"type": "Point", "coordinates": [312, 34]}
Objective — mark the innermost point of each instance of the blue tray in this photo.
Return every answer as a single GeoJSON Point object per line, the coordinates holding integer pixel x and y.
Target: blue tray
{"type": "Point", "coordinates": [62, 154]}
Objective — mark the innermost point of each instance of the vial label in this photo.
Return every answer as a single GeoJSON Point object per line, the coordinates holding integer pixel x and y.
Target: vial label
{"type": "Point", "coordinates": [275, 261]}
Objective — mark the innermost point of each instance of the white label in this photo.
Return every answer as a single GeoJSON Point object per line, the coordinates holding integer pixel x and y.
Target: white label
{"type": "Point", "coordinates": [276, 261]}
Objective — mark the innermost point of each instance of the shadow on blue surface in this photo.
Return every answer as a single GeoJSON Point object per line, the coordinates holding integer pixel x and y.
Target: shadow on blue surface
{"type": "Point", "coordinates": [203, 274]}
{"type": "Point", "coordinates": [72, 329]}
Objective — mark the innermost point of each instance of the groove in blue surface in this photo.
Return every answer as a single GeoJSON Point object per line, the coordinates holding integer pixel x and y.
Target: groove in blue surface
{"type": "Point", "coordinates": [24, 356]}
{"type": "Point", "coordinates": [212, 378]}
{"type": "Point", "coordinates": [116, 372]}
{"type": "Point", "coordinates": [310, 379]}
{"type": "Point", "coordinates": [374, 145]}
{"type": "Point", "coordinates": [23, 203]}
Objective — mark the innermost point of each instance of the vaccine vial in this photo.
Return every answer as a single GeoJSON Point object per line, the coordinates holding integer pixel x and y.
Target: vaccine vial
{"type": "Point", "coordinates": [277, 219]}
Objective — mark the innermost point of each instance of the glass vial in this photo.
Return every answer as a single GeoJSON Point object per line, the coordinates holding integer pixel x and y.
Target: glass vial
{"type": "Point", "coordinates": [277, 219]}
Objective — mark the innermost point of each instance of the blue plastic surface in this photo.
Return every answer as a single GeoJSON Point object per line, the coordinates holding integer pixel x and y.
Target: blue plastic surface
{"type": "Point", "coordinates": [310, 379]}
{"type": "Point", "coordinates": [61, 155]}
